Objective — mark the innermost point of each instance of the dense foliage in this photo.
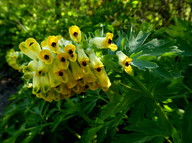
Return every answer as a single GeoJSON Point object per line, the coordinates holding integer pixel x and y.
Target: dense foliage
{"type": "Point", "coordinates": [151, 105]}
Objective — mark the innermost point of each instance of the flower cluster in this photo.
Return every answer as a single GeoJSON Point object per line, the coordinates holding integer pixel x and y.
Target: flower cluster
{"type": "Point", "coordinates": [60, 68]}
{"type": "Point", "coordinates": [15, 59]}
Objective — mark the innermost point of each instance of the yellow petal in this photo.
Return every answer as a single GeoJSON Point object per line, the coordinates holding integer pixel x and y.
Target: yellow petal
{"type": "Point", "coordinates": [128, 69]}
{"type": "Point", "coordinates": [26, 51]}
{"type": "Point", "coordinates": [76, 71]}
{"type": "Point", "coordinates": [71, 81]}
{"type": "Point", "coordinates": [63, 60]}
{"type": "Point", "coordinates": [33, 45]}
{"type": "Point", "coordinates": [75, 33]}
{"type": "Point", "coordinates": [113, 47]}
{"type": "Point", "coordinates": [52, 42]}
{"type": "Point", "coordinates": [46, 56]}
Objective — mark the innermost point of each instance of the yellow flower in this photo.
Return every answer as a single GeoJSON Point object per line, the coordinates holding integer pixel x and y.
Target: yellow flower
{"type": "Point", "coordinates": [103, 78]}
{"type": "Point", "coordinates": [95, 62]}
{"type": "Point", "coordinates": [62, 76]}
{"type": "Point", "coordinates": [75, 33]}
{"type": "Point", "coordinates": [71, 81]}
{"type": "Point", "coordinates": [63, 60]}
{"type": "Point", "coordinates": [104, 42]}
{"type": "Point", "coordinates": [46, 56]}
{"type": "Point", "coordinates": [83, 60]}
{"type": "Point", "coordinates": [89, 77]}
{"type": "Point", "coordinates": [70, 49]}
{"type": "Point", "coordinates": [52, 42]}
{"type": "Point", "coordinates": [76, 71]}
{"type": "Point", "coordinates": [33, 45]}
{"type": "Point", "coordinates": [26, 51]}
{"type": "Point", "coordinates": [124, 61]}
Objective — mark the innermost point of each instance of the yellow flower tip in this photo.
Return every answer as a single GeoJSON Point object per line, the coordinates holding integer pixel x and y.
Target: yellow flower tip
{"type": "Point", "coordinates": [30, 41]}
{"type": "Point", "coordinates": [70, 50]}
{"type": "Point", "coordinates": [44, 43]}
{"type": "Point", "coordinates": [52, 42]}
{"type": "Point", "coordinates": [128, 69]}
{"type": "Point", "coordinates": [124, 61]}
{"type": "Point", "coordinates": [33, 45]}
{"type": "Point", "coordinates": [63, 60]}
{"type": "Point", "coordinates": [26, 51]}
{"type": "Point", "coordinates": [75, 33]}
{"type": "Point", "coordinates": [62, 76]}
{"type": "Point", "coordinates": [46, 56]}
{"type": "Point", "coordinates": [113, 47]}
{"type": "Point", "coordinates": [109, 38]}
{"type": "Point", "coordinates": [104, 42]}
{"type": "Point", "coordinates": [82, 58]}
{"type": "Point", "coordinates": [103, 78]}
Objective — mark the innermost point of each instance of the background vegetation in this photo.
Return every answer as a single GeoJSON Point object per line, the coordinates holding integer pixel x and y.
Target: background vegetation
{"type": "Point", "coordinates": [152, 106]}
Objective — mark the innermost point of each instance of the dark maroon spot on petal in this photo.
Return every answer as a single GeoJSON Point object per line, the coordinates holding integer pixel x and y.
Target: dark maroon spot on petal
{"type": "Point", "coordinates": [63, 59]}
{"type": "Point", "coordinates": [86, 86]}
{"type": "Point", "coordinates": [53, 44]}
{"type": "Point", "coordinates": [98, 69]}
{"type": "Point", "coordinates": [72, 56]}
{"type": "Point", "coordinates": [30, 43]}
{"type": "Point", "coordinates": [109, 41]}
{"type": "Point", "coordinates": [70, 52]}
{"type": "Point", "coordinates": [126, 64]}
{"type": "Point", "coordinates": [40, 72]}
{"type": "Point", "coordinates": [75, 34]}
{"type": "Point", "coordinates": [57, 86]}
{"type": "Point", "coordinates": [46, 57]}
{"type": "Point", "coordinates": [84, 63]}
{"type": "Point", "coordinates": [60, 73]}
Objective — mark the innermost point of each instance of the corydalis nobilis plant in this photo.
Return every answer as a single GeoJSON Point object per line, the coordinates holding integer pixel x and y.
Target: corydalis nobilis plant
{"type": "Point", "coordinates": [60, 68]}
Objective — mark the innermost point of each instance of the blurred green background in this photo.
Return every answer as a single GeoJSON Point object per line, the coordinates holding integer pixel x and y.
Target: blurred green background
{"type": "Point", "coordinates": [21, 19]}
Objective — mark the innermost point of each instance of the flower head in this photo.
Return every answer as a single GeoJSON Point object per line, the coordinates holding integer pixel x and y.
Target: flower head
{"type": "Point", "coordinates": [33, 45]}
{"type": "Point", "coordinates": [75, 33]}
{"type": "Point", "coordinates": [104, 42]}
{"type": "Point", "coordinates": [63, 60]}
{"type": "Point", "coordinates": [26, 51]}
{"type": "Point", "coordinates": [124, 61]}
{"type": "Point", "coordinates": [46, 56]}
{"type": "Point", "coordinates": [83, 59]}
{"type": "Point", "coordinates": [52, 42]}
{"type": "Point", "coordinates": [70, 49]}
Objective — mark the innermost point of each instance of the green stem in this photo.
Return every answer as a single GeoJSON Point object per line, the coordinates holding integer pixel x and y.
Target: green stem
{"type": "Point", "coordinates": [133, 89]}
{"type": "Point", "coordinates": [85, 117]}
{"type": "Point", "coordinates": [28, 129]}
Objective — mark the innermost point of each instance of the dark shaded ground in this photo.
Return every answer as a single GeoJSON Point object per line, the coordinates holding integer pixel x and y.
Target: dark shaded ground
{"type": "Point", "coordinates": [9, 83]}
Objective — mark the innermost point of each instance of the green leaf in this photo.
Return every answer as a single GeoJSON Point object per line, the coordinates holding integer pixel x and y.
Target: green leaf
{"type": "Point", "coordinates": [132, 138]}
{"type": "Point", "coordinates": [90, 134]}
{"type": "Point", "coordinates": [187, 125]}
{"type": "Point", "coordinates": [144, 64]}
